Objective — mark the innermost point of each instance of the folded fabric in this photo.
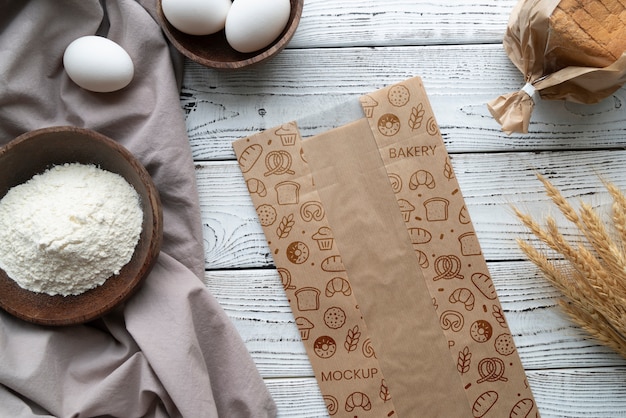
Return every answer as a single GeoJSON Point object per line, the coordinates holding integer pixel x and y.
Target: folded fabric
{"type": "Point", "coordinates": [170, 350]}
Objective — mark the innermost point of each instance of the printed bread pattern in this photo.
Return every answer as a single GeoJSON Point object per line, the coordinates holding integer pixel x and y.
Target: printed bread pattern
{"type": "Point", "coordinates": [312, 273]}
{"type": "Point", "coordinates": [448, 251]}
{"type": "Point", "coordinates": [432, 207]}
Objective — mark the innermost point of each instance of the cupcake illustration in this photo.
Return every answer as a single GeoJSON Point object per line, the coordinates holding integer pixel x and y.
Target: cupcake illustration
{"type": "Point", "coordinates": [368, 105]}
{"type": "Point", "coordinates": [324, 238]}
{"type": "Point", "coordinates": [406, 208]}
{"type": "Point", "coordinates": [287, 134]}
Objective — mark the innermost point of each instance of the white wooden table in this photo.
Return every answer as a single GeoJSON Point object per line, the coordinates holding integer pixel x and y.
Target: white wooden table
{"type": "Point", "coordinates": [347, 48]}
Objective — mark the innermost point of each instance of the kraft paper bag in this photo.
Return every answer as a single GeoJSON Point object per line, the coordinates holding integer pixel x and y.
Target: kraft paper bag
{"type": "Point", "coordinates": [386, 276]}
{"type": "Point", "coordinates": [529, 45]}
{"type": "Point", "coordinates": [313, 276]}
{"type": "Point", "coordinates": [384, 188]}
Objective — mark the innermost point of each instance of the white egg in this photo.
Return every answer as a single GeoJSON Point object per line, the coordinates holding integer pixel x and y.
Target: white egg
{"type": "Point", "coordinates": [98, 64]}
{"type": "Point", "coordinates": [196, 17]}
{"type": "Point", "coordinates": [254, 24]}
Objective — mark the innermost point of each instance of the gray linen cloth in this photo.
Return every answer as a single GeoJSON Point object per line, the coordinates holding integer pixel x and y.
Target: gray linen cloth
{"type": "Point", "coordinates": [170, 351]}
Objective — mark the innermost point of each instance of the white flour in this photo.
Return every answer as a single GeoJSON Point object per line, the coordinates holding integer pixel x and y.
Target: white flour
{"type": "Point", "coordinates": [68, 229]}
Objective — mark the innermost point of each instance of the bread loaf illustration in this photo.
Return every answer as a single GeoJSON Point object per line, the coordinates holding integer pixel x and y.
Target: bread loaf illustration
{"type": "Point", "coordinates": [484, 403]}
{"type": "Point", "coordinates": [249, 156]}
{"type": "Point", "coordinates": [522, 408]}
{"type": "Point", "coordinates": [436, 209]}
{"type": "Point", "coordinates": [333, 264]}
{"type": "Point", "coordinates": [419, 235]}
{"type": "Point", "coordinates": [287, 193]}
{"type": "Point", "coordinates": [469, 244]}
{"type": "Point", "coordinates": [308, 299]}
{"type": "Point", "coordinates": [484, 284]}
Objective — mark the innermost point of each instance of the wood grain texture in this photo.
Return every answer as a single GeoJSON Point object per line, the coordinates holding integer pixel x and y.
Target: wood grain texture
{"type": "Point", "coordinates": [490, 183]}
{"type": "Point", "coordinates": [545, 337]}
{"type": "Point", "coordinates": [569, 393]}
{"type": "Point", "coordinates": [344, 49]}
{"type": "Point", "coordinates": [569, 374]}
{"type": "Point", "coordinates": [460, 80]}
{"type": "Point", "coordinates": [327, 23]}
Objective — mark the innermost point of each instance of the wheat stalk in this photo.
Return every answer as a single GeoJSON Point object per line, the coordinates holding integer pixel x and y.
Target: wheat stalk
{"type": "Point", "coordinates": [591, 277]}
{"type": "Point", "coordinates": [619, 212]}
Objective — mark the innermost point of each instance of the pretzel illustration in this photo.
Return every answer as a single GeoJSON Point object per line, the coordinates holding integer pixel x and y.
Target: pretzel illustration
{"type": "Point", "coordinates": [278, 162]}
{"type": "Point", "coordinates": [448, 267]}
{"type": "Point", "coordinates": [491, 369]}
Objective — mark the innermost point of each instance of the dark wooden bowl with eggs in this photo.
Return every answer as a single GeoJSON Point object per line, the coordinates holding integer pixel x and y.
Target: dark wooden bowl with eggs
{"type": "Point", "coordinates": [214, 51]}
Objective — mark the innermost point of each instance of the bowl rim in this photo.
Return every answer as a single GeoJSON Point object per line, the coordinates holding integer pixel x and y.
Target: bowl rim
{"type": "Point", "coordinates": [249, 59]}
{"type": "Point", "coordinates": [61, 310]}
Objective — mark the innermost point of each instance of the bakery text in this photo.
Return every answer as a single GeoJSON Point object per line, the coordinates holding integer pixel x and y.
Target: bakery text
{"type": "Point", "coordinates": [413, 151]}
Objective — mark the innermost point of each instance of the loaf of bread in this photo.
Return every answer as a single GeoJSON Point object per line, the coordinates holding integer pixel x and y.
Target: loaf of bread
{"type": "Point", "coordinates": [572, 50]}
{"type": "Point", "coordinates": [587, 33]}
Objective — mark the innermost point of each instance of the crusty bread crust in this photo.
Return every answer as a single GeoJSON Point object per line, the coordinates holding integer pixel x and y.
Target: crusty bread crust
{"type": "Point", "coordinates": [589, 33]}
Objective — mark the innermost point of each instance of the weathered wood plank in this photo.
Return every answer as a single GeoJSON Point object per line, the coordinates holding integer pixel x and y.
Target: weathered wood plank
{"type": "Point", "coordinates": [545, 337]}
{"type": "Point", "coordinates": [490, 183]}
{"type": "Point", "coordinates": [345, 49]}
{"type": "Point", "coordinates": [595, 392]}
{"type": "Point", "coordinates": [401, 22]}
{"type": "Point", "coordinates": [224, 106]}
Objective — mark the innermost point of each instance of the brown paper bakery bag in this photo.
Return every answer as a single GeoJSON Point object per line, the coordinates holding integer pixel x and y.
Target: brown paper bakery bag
{"type": "Point", "coordinates": [566, 50]}
{"type": "Point", "coordinates": [388, 195]}
{"type": "Point", "coordinates": [314, 278]}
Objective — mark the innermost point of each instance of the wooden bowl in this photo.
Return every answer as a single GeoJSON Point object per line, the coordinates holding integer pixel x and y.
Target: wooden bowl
{"type": "Point", "coordinates": [36, 151]}
{"type": "Point", "coordinates": [214, 52]}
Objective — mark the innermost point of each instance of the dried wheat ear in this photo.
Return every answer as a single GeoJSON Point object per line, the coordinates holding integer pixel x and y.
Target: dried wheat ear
{"type": "Point", "coordinates": [591, 273]}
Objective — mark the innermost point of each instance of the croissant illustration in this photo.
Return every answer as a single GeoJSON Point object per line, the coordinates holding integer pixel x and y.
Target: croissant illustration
{"type": "Point", "coordinates": [358, 400]}
{"type": "Point", "coordinates": [256, 186]}
{"type": "Point", "coordinates": [338, 284]}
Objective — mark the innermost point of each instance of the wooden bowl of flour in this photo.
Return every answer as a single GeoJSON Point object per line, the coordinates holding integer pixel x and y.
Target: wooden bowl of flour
{"type": "Point", "coordinates": [35, 152]}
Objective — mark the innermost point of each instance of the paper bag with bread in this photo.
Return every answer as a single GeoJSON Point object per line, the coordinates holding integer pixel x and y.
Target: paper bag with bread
{"type": "Point", "coordinates": [388, 284]}
{"type": "Point", "coordinates": [566, 50]}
